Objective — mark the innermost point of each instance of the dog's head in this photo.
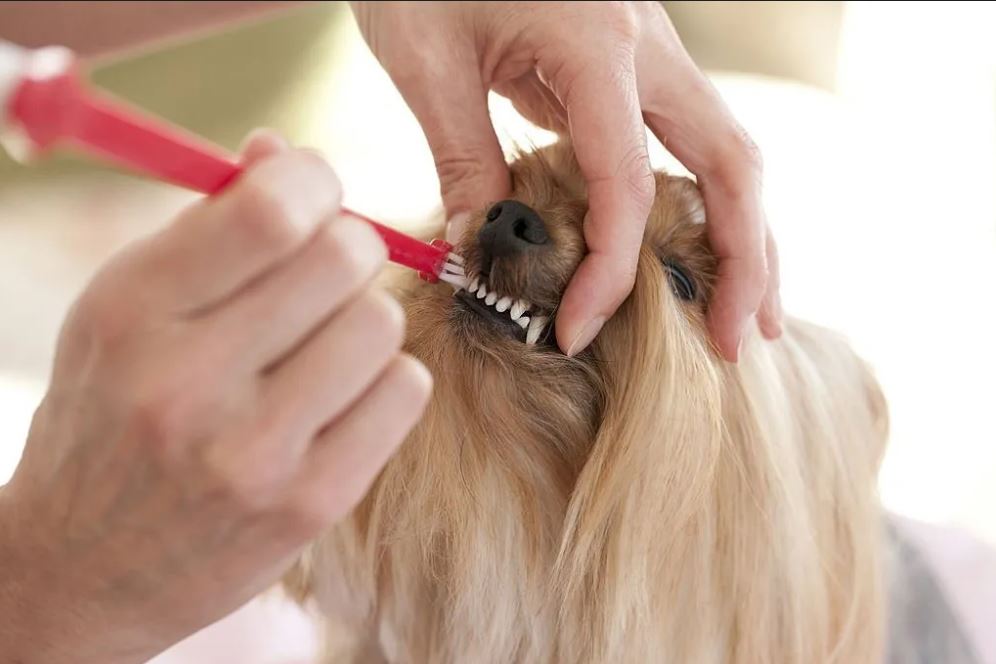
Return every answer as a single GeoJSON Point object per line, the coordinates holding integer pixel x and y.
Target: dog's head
{"type": "Point", "coordinates": [522, 252]}
{"type": "Point", "coordinates": [548, 503]}
{"type": "Point", "coordinates": [497, 338]}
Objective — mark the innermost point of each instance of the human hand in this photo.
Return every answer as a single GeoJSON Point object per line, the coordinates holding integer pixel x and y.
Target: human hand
{"type": "Point", "coordinates": [600, 71]}
{"type": "Point", "coordinates": [222, 391]}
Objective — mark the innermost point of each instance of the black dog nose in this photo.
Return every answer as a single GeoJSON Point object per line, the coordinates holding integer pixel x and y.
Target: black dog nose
{"type": "Point", "coordinates": [509, 228]}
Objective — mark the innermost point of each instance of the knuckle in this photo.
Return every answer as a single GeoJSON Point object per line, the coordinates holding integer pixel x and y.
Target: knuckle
{"type": "Point", "coordinates": [266, 217]}
{"type": "Point", "coordinates": [352, 249]}
{"type": "Point", "coordinates": [283, 200]}
{"type": "Point", "coordinates": [756, 277]}
{"type": "Point", "coordinates": [736, 163]}
{"type": "Point", "coordinates": [383, 316]}
{"type": "Point", "coordinates": [247, 493]}
{"type": "Point", "coordinates": [245, 484]}
{"type": "Point", "coordinates": [107, 317]}
{"type": "Point", "coordinates": [455, 169]}
{"type": "Point", "coordinates": [309, 515]}
{"type": "Point", "coordinates": [749, 152]}
{"type": "Point", "coordinates": [162, 417]}
{"type": "Point", "coordinates": [639, 176]}
{"type": "Point", "coordinates": [413, 382]}
{"type": "Point", "coordinates": [622, 20]}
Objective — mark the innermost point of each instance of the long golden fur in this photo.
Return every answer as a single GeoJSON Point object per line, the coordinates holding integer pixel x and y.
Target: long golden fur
{"type": "Point", "coordinates": [645, 501]}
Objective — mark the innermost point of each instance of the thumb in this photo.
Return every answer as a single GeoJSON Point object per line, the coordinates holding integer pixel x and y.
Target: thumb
{"type": "Point", "coordinates": [260, 144]}
{"type": "Point", "coordinates": [450, 102]}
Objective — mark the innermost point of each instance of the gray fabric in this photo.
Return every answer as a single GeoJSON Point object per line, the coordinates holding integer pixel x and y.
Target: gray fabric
{"type": "Point", "coordinates": [923, 628]}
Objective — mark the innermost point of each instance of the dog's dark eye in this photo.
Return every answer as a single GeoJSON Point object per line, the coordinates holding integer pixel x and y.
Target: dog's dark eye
{"type": "Point", "coordinates": [681, 284]}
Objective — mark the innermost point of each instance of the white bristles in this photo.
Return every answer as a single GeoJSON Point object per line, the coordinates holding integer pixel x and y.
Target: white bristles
{"type": "Point", "coordinates": [459, 282]}
{"type": "Point", "coordinates": [454, 272]}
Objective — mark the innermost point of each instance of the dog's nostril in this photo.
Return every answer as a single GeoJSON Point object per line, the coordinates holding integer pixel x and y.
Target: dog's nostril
{"type": "Point", "coordinates": [512, 227]}
{"type": "Point", "coordinates": [528, 232]}
{"type": "Point", "coordinates": [494, 212]}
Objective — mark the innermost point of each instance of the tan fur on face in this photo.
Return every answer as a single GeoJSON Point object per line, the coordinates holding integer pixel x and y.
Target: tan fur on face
{"type": "Point", "coordinates": [642, 502]}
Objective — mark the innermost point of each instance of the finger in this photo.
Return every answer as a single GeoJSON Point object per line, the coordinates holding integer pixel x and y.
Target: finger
{"type": "Point", "coordinates": [343, 462]}
{"type": "Point", "coordinates": [322, 378]}
{"type": "Point", "coordinates": [220, 245]}
{"type": "Point", "coordinates": [686, 113]}
{"type": "Point", "coordinates": [769, 316]}
{"type": "Point", "coordinates": [534, 101]}
{"type": "Point", "coordinates": [449, 100]}
{"type": "Point", "coordinates": [277, 312]}
{"type": "Point", "coordinates": [609, 139]}
{"type": "Point", "coordinates": [260, 144]}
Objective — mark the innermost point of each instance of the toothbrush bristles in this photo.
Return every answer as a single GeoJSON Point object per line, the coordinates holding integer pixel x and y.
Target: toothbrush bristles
{"type": "Point", "coordinates": [457, 280]}
{"type": "Point", "coordinates": [454, 272]}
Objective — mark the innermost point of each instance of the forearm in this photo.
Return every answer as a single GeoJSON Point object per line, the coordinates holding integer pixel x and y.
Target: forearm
{"type": "Point", "coordinates": [100, 28]}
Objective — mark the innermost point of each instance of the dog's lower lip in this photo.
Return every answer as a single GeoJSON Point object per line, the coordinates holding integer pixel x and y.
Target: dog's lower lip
{"type": "Point", "coordinates": [478, 307]}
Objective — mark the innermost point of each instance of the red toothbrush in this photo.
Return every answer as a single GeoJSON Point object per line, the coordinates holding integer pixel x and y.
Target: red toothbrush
{"type": "Point", "coordinates": [43, 102]}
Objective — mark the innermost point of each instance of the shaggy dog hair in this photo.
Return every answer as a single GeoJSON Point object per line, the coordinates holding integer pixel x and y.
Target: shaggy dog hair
{"type": "Point", "coordinates": [643, 501]}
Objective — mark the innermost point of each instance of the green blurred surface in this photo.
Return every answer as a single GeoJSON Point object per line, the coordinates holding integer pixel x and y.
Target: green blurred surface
{"type": "Point", "coordinates": [218, 86]}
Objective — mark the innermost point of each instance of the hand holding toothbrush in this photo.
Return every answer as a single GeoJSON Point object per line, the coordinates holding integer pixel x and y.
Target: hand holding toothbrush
{"type": "Point", "coordinates": [218, 398]}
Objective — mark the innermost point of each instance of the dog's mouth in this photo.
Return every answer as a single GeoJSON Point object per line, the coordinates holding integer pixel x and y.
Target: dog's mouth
{"type": "Point", "coordinates": [513, 315]}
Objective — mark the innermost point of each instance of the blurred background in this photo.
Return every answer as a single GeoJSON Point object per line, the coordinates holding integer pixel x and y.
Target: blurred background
{"type": "Point", "coordinates": [877, 122]}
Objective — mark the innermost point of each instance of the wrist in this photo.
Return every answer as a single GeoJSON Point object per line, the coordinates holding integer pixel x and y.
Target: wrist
{"type": "Point", "coordinates": [39, 621]}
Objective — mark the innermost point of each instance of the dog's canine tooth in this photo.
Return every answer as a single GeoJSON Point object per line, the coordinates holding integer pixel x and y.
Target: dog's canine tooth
{"type": "Point", "coordinates": [517, 309]}
{"type": "Point", "coordinates": [482, 291]}
{"type": "Point", "coordinates": [503, 304]}
{"type": "Point", "coordinates": [523, 322]}
{"type": "Point", "coordinates": [491, 298]}
{"type": "Point", "coordinates": [536, 326]}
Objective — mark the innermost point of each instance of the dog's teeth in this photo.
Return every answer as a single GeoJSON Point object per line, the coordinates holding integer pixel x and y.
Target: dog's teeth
{"type": "Point", "coordinates": [525, 305]}
{"type": "Point", "coordinates": [473, 284]}
{"type": "Point", "coordinates": [517, 309]}
{"type": "Point", "coordinates": [523, 322]}
{"type": "Point", "coordinates": [503, 304]}
{"type": "Point", "coordinates": [536, 326]}
{"type": "Point", "coordinates": [482, 291]}
{"type": "Point", "coordinates": [491, 298]}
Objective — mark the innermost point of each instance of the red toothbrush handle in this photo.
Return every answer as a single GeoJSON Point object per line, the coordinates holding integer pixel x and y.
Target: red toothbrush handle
{"type": "Point", "coordinates": [405, 250]}
{"type": "Point", "coordinates": [59, 108]}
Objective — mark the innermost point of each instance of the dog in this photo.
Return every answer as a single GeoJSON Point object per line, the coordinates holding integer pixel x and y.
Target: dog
{"type": "Point", "coordinates": [644, 501]}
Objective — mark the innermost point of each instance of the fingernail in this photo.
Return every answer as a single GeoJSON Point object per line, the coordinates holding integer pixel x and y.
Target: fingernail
{"type": "Point", "coordinates": [455, 226]}
{"type": "Point", "coordinates": [261, 132]}
{"type": "Point", "coordinates": [585, 336]}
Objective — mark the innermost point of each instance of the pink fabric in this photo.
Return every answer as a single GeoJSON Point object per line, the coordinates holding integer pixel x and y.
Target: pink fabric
{"type": "Point", "coordinates": [966, 567]}
{"type": "Point", "coordinates": [272, 630]}
{"type": "Point", "coordinates": [268, 630]}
